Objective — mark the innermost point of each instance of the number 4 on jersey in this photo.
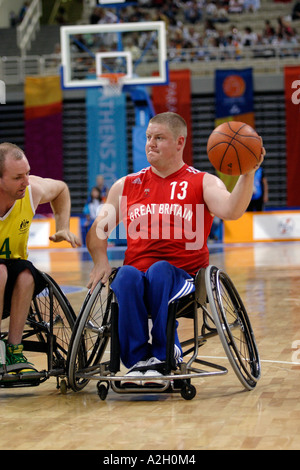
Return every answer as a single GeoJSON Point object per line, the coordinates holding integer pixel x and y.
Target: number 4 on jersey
{"type": "Point", "coordinates": [4, 250]}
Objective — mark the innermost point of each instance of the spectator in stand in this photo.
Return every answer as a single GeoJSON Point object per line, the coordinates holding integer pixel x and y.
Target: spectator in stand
{"type": "Point", "coordinates": [170, 9]}
{"type": "Point", "coordinates": [284, 27]}
{"type": "Point", "coordinates": [136, 14]}
{"type": "Point", "coordinates": [211, 9]}
{"type": "Point", "coordinates": [217, 12]}
{"type": "Point", "coordinates": [107, 16]}
{"type": "Point", "coordinates": [100, 183]}
{"type": "Point", "coordinates": [222, 13]}
{"type": "Point", "coordinates": [236, 6]}
{"type": "Point", "coordinates": [192, 12]}
{"type": "Point", "coordinates": [191, 36]}
{"type": "Point", "coordinates": [235, 33]}
{"type": "Point", "coordinates": [251, 6]}
{"type": "Point", "coordinates": [233, 48]}
{"type": "Point", "coordinates": [95, 15]}
{"type": "Point", "coordinates": [268, 32]}
{"type": "Point", "coordinates": [23, 11]}
{"type": "Point", "coordinates": [249, 38]}
{"type": "Point", "coordinates": [91, 210]}
{"type": "Point", "coordinates": [210, 29]}
{"type": "Point", "coordinates": [13, 20]}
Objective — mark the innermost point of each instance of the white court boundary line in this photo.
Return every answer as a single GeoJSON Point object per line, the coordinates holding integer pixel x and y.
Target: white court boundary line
{"type": "Point", "coordinates": [262, 360]}
{"type": "Point", "coordinates": [226, 358]}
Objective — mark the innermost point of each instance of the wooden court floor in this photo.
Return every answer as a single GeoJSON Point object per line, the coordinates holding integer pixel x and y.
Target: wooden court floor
{"type": "Point", "coordinates": [221, 416]}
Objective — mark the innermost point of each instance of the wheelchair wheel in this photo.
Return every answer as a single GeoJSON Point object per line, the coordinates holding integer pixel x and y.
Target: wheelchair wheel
{"type": "Point", "coordinates": [233, 326]}
{"type": "Point", "coordinates": [90, 337]}
{"type": "Point", "coordinates": [52, 319]}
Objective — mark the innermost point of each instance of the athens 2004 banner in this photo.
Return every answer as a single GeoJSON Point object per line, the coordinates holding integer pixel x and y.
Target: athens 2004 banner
{"type": "Point", "coordinates": [106, 136]}
{"type": "Point", "coordinates": [234, 102]}
{"type": "Point", "coordinates": [292, 110]}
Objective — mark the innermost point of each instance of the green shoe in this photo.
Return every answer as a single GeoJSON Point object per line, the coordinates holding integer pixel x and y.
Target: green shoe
{"type": "Point", "coordinates": [15, 359]}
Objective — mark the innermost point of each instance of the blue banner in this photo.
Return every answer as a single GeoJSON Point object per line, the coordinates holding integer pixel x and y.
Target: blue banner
{"type": "Point", "coordinates": [107, 139]}
{"type": "Point", "coordinates": [234, 92]}
{"type": "Point", "coordinates": [234, 102]}
{"type": "Point", "coordinates": [138, 148]}
{"type": "Point", "coordinates": [144, 111]}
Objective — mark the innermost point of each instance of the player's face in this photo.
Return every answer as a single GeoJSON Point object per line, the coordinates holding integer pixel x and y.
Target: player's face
{"type": "Point", "coordinates": [161, 145]}
{"type": "Point", "coordinates": [15, 177]}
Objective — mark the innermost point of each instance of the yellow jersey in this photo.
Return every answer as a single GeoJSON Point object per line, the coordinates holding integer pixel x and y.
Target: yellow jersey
{"type": "Point", "coordinates": [14, 228]}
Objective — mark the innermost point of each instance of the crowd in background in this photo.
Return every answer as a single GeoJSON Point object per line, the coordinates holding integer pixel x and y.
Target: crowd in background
{"type": "Point", "coordinates": [203, 23]}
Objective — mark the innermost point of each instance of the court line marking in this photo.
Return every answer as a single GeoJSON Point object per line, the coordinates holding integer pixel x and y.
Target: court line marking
{"type": "Point", "coordinates": [226, 358]}
{"type": "Point", "coordinates": [262, 360]}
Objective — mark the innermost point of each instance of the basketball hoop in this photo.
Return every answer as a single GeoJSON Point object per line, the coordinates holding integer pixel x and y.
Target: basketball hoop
{"type": "Point", "coordinates": [113, 84]}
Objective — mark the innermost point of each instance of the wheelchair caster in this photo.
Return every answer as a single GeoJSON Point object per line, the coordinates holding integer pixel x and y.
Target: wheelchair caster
{"type": "Point", "coordinates": [102, 390]}
{"type": "Point", "coordinates": [188, 392]}
{"type": "Point", "coordinates": [63, 387]}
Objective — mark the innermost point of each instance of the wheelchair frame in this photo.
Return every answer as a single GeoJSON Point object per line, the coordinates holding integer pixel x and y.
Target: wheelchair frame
{"type": "Point", "coordinates": [48, 330]}
{"type": "Point", "coordinates": [223, 315]}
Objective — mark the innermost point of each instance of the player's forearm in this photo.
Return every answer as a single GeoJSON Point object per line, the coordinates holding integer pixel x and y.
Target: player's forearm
{"type": "Point", "coordinates": [61, 207]}
{"type": "Point", "coordinates": [96, 243]}
{"type": "Point", "coordinates": [240, 197]}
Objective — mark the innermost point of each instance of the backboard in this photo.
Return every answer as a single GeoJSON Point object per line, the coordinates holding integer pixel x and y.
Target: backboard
{"type": "Point", "coordinates": [135, 51]}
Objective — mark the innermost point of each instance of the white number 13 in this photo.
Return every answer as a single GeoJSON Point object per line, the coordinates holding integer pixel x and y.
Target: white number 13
{"type": "Point", "coordinates": [181, 194]}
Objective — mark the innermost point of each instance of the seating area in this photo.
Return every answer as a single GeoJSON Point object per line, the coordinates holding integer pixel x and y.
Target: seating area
{"type": "Point", "coordinates": [202, 35]}
{"type": "Point", "coordinates": [245, 32]}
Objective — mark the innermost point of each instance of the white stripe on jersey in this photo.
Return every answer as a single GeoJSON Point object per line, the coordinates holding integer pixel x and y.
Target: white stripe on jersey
{"type": "Point", "coordinates": [140, 172]}
{"type": "Point", "coordinates": [191, 169]}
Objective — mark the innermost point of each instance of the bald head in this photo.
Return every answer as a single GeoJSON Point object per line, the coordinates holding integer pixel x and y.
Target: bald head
{"type": "Point", "coordinates": [8, 150]}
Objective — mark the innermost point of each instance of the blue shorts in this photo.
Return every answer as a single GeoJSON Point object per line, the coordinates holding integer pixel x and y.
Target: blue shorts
{"type": "Point", "coordinates": [141, 295]}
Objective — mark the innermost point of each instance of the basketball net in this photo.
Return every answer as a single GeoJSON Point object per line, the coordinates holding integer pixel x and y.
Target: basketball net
{"type": "Point", "coordinates": [113, 84]}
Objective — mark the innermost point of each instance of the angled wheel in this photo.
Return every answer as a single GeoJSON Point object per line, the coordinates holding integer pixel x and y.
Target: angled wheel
{"type": "Point", "coordinates": [233, 326]}
{"type": "Point", "coordinates": [90, 337]}
{"type": "Point", "coordinates": [52, 319]}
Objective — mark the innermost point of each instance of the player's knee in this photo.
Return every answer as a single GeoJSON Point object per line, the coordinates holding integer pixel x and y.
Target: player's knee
{"type": "Point", "coordinates": [127, 277]}
{"type": "Point", "coordinates": [160, 270]}
{"type": "Point", "coordinates": [3, 274]}
{"type": "Point", "coordinates": [25, 279]}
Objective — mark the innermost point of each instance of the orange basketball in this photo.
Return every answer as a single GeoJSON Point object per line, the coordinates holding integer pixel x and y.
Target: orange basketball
{"type": "Point", "coordinates": [234, 148]}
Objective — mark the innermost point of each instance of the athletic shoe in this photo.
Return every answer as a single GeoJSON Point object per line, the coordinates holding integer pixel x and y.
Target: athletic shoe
{"type": "Point", "coordinates": [16, 361]}
{"type": "Point", "coordinates": [135, 371]}
{"type": "Point", "coordinates": [157, 377]}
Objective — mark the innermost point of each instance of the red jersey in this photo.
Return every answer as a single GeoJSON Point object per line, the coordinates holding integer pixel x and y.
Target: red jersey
{"type": "Point", "coordinates": [166, 219]}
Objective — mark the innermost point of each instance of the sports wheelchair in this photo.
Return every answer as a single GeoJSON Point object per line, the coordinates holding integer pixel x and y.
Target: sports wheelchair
{"type": "Point", "coordinates": [216, 304]}
{"type": "Point", "coordinates": [48, 330]}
